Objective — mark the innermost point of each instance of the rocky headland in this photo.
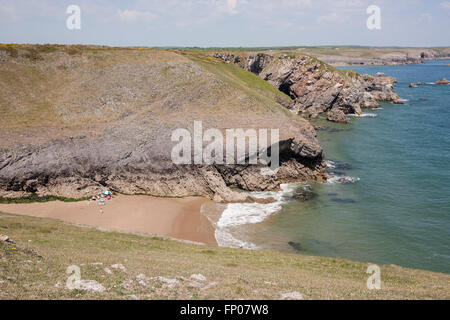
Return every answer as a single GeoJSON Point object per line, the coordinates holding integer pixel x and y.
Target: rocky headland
{"type": "Point", "coordinates": [315, 87]}
{"type": "Point", "coordinates": [77, 120]}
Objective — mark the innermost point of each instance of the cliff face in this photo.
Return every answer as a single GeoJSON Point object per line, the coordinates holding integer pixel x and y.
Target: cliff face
{"type": "Point", "coordinates": [316, 87]}
{"type": "Point", "coordinates": [76, 123]}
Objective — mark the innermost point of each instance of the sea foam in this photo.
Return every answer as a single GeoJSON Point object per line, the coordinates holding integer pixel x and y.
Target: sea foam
{"type": "Point", "coordinates": [364, 115]}
{"type": "Point", "coordinates": [240, 214]}
{"type": "Point", "coordinates": [342, 179]}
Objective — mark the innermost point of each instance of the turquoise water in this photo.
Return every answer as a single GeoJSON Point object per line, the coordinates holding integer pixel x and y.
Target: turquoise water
{"type": "Point", "coordinates": [399, 210]}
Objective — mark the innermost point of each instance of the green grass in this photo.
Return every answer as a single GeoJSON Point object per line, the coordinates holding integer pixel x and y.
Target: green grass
{"type": "Point", "coordinates": [246, 81]}
{"type": "Point", "coordinates": [35, 268]}
{"type": "Point", "coordinates": [36, 198]}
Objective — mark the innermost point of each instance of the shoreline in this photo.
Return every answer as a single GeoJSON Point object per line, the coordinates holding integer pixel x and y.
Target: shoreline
{"type": "Point", "coordinates": [384, 64]}
{"type": "Point", "coordinates": [178, 218]}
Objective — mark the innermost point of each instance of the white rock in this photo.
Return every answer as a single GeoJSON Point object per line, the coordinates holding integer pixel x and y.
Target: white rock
{"type": "Point", "coordinates": [6, 239]}
{"type": "Point", "coordinates": [127, 283]}
{"type": "Point", "coordinates": [292, 296]}
{"type": "Point", "coordinates": [119, 266]}
{"type": "Point", "coordinates": [91, 285]}
{"type": "Point", "coordinates": [107, 270]}
{"type": "Point", "coordinates": [170, 282]}
{"type": "Point", "coordinates": [210, 285]}
{"type": "Point", "coordinates": [198, 277]}
{"type": "Point", "coordinates": [141, 279]}
{"type": "Point", "coordinates": [195, 284]}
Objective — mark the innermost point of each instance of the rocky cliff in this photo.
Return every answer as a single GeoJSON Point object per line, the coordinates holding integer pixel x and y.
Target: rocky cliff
{"type": "Point", "coordinates": [80, 119]}
{"type": "Point", "coordinates": [76, 120]}
{"type": "Point", "coordinates": [315, 87]}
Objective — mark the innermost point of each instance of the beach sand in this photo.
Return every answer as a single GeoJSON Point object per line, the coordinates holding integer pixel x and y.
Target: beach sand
{"type": "Point", "coordinates": [172, 217]}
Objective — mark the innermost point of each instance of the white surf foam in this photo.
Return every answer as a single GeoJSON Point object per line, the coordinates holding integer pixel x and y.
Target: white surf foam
{"type": "Point", "coordinates": [330, 164]}
{"type": "Point", "coordinates": [342, 179]}
{"type": "Point", "coordinates": [364, 115]}
{"type": "Point", "coordinates": [239, 214]}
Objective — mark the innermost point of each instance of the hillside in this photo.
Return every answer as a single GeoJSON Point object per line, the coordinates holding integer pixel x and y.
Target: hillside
{"type": "Point", "coordinates": [78, 119]}
{"type": "Point", "coordinates": [131, 266]}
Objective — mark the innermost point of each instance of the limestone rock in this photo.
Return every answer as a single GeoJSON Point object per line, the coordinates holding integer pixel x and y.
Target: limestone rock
{"type": "Point", "coordinates": [5, 238]}
{"type": "Point", "coordinates": [336, 115]}
{"type": "Point", "coordinates": [315, 87]}
{"type": "Point", "coordinates": [442, 81]}
{"type": "Point", "coordinates": [134, 102]}
{"type": "Point", "coordinates": [91, 285]}
{"type": "Point", "coordinates": [292, 296]}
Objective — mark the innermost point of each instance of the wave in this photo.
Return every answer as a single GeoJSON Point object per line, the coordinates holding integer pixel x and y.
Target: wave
{"type": "Point", "coordinates": [331, 164]}
{"type": "Point", "coordinates": [364, 115]}
{"type": "Point", "coordinates": [342, 179]}
{"type": "Point", "coordinates": [236, 215]}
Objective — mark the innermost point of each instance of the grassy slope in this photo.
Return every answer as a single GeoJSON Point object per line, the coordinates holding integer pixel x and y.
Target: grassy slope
{"type": "Point", "coordinates": [238, 77]}
{"type": "Point", "coordinates": [238, 273]}
{"type": "Point", "coordinates": [65, 89]}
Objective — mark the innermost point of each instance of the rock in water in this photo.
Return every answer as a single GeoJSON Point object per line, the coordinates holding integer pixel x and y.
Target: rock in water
{"type": "Point", "coordinates": [296, 245]}
{"type": "Point", "coordinates": [304, 193]}
{"type": "Point", "coordinates": [336, 115]}
{"type": "Point", "coordinates": [442, 81]}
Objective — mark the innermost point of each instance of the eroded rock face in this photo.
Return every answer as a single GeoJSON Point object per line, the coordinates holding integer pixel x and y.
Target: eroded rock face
{"type": "Point", "coordinates": [315, 87]}
{"type": "Point", "coordinates": [336, 115]}
{"type": "Point", "coordinates": [133, 102]}
{"type": "Point", "coordinates": [88, 167]}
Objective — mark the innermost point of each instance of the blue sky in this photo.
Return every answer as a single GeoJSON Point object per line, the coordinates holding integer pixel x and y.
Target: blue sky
{"type": "Point", "coordinates": [246, 23]}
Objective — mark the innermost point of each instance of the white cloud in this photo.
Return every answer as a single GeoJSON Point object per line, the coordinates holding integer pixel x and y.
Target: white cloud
{"type": "Point", "coordinates": [445, 4]}
{"type": "Point", "coordinates": [296, 3]}
{"type": "Point", "coordinates": [134, 15]}
{"type": "Point", "coordinates": [332, 17]}
{"type": "Point", "coordinates": [348, 3]}
{"type": "Point", "coordinates": [8, 12]}
{"type": "Point", "coordinates": [229, 6]}
{"type": "Point", "coordinates": [426, 17]}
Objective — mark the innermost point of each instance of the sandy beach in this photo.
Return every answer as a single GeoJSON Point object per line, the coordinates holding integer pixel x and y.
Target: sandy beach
{"type": "Point", "coordinates": [172, 217]}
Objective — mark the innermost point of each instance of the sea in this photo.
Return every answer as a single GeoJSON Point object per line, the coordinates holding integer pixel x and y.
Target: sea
{"type": "Point", "coordinates": [388, 198]}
